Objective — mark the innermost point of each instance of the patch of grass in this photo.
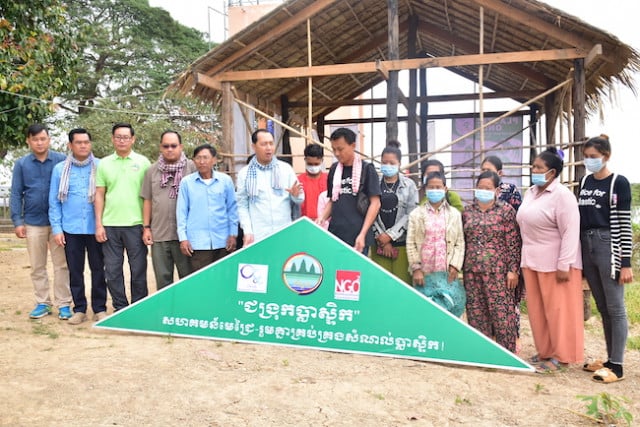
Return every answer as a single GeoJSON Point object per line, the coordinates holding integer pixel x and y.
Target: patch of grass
{"type": "Point", "coordinates": [633, 343]}
{"type": "Point", "coordinates": [632, 301]}
{"type": "Point", "coordinates": [285, 362]}
{"type": "Point", "coordinates": [607, 409]}
{"type": "Point", "coordinates": [18, 313]}
{"type": "Point", "coordinates": [43, 329]}
{"type": "Point", "coordinates": [378, 396]}
{"type": "Point", "coordinates": [539, 388]}
{"type": "Point", "coordinates": [462, 401]}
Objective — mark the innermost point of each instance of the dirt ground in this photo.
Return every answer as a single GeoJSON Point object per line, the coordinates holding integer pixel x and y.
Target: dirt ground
{"type": "Point", "coordinates": [54, 373]}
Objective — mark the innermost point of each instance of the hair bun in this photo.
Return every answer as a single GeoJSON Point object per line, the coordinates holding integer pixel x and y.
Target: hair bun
{"type": "Point", "coordinates": [604, 136]}
{"type": "Point", "coordinates": [393, 143]}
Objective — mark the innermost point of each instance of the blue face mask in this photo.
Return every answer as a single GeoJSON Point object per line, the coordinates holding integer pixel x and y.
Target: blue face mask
{"type": "Point", "coordinates": [484, 196]}
{"type": "Point", "coordinates": [435, 196]}
{"type": "Point", "coordinates": [538, 179]}
{"type": "Point", "coordinates": [594, 165]}
{"type": "Point", "coordinates": [389, 170]}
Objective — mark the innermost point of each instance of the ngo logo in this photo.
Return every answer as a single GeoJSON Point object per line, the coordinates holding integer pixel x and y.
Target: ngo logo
{"type": "Point", "coordinates": [252, 278]}
{"type": "Point", "coordinates": [347, 285]}
{"type": "Point", "coordinates": [302, 273]}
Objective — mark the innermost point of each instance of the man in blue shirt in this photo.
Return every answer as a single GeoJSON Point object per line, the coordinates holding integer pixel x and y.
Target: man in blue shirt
{"type": "Point", "coordinates": [72, 217]}
{"type": "Point", "coordinates": [30, 216]}
{"type": "Point", "coordinates": [207, 214]}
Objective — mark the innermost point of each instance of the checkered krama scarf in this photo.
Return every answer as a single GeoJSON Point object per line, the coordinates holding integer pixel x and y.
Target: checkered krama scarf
{"type": "Point", "coordinates": [172, 171]}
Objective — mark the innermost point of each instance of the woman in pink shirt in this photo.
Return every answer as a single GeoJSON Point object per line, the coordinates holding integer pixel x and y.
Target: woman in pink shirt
{"type": "Point", "coordinates": [551, 265]}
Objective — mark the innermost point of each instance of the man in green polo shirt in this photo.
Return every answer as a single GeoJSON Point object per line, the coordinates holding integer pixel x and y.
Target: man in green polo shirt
{"type": "Point", "coordinates": [118, 210]}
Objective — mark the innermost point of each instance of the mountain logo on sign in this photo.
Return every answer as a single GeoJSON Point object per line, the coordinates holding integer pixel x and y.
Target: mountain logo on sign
{"type": "Point", "coordinates": [302, 273]}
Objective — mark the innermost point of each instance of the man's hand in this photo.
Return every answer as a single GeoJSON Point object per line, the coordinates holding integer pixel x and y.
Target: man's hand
{"type": "Point", "coordinates": [247, 239]}
{"type": "Point", "coordinates": [21, 231]}
{"type": "Point", "coordinates": [59, 239]}
{"type": "Point", "coordinates": [147, 237]}
{"type": "Point", "coordinates": [101, 234]}
{"type": "Point", "coordinates": [231, 244]}
{"type": "Point", "coordinates": [295, 189]}
{"type": "Point", "coordinates": [185, 248]}
{"type": "Point", "coordinates": [359, 243]}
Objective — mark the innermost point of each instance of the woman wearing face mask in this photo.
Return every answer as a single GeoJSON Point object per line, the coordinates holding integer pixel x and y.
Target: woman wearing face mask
{"type": "Point", "coordinates": [399, 196]}
{"type": "Point", "coordinates": [491, 262]}
{"type": "Point", "coordinates": [435, 245]}
{"type": "Point", "coordinates": [508, 192]}
{"type": "Point", "coordinates": [551, 265]}
{"type": "Point", "coordinates": [605, 224]}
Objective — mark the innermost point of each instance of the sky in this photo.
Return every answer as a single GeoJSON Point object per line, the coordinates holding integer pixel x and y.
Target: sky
{"type": "Point", "coordinates": [617, 17]}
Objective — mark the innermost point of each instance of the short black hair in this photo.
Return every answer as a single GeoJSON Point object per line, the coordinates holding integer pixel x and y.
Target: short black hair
{"type": "Point", "coordinates": [494, 177]}
{"type": "Point", "coordinates": [254, 135]}
{"type": "Point", "coordinates": [313, 150]}
{"type": "Point", "coordinates": [78, 131]}
{"type": "Point", "coordinates": [433, 162]}
{"type": "Point", "coordinates": [209, 147]}
{"type": "Point", "coordinates": [494, 160]}
{"type": "Point", "coordinates": [171, 131]}
{"type": "Point", "coordinates": [346, 133]}
{"type": "Point", "coordinates": [122, 125]}
{"type": "Point", "coordinates": [36, 128]}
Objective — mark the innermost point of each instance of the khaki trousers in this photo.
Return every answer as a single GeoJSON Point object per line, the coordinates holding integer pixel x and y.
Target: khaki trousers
{"type": "Point", "coordinates": [39, 239]}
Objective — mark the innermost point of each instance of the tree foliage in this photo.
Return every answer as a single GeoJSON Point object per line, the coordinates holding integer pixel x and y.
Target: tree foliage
{"type": "Point", "coordinates": [37, 60]}
{"type": "Point", "coordinates": [131, 53]}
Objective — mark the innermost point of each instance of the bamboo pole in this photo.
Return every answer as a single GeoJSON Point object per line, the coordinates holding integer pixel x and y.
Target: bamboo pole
{"type": "Point", "coordinates": [481, 84]}
{"type": "Point", "coordinates": [310, 83]}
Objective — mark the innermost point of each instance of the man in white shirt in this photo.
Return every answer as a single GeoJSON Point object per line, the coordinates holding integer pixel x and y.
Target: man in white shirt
{"type": "Point", "coordinates": [265, 190]}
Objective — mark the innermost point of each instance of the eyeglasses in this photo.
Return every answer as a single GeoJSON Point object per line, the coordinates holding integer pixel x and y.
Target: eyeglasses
{"type": "Point", "coordinates": [122, 137]}
{"type": "Point", "coordinates": [165, 146]}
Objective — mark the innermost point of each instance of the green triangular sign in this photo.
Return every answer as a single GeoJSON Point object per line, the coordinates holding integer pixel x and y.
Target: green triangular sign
{"type": "Point", "coordinates": [303, 287]}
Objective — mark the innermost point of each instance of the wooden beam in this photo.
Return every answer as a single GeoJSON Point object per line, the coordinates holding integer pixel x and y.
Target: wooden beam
{"type": "Point", "coordinates": [393, 47]}
{"type": "Point", "coordinates": [531, 21]}
{"type": "Point", "coordinates": [272, 34]}
{"type": "Point", "coordinates": [404, 64]}
{"type": "Point", "coordinates": [594, 53]}
{"type": "Point", "coordinates": [429, 117]}
{"type": "Point", "coordinates": [420, 99]}
{"type": "Point", "coordinates": [227, 124]}
{"type": "Point", "coordinates": [467, 46]}
{"type": "Point", "coordinates": [204, 80]}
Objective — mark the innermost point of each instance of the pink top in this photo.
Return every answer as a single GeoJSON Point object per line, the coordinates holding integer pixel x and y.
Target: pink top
{"type": "Point", "coordinates": [549, 223]}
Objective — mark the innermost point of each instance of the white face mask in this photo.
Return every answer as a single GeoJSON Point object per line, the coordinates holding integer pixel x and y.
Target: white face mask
{"type": "Point", "coordinates": [314, 170]}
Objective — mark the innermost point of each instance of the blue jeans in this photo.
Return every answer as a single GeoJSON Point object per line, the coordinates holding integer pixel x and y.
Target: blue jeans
{"type": "Point", "coordinates": [77, 245]}
{"type": "Point", "coordinates": [120, 239]}
{"type": "Point", "coordinates": [609, 295]}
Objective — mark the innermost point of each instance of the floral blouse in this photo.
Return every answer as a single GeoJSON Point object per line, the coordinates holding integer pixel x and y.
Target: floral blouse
{"type": "Point", "coordinates": [492, 239]}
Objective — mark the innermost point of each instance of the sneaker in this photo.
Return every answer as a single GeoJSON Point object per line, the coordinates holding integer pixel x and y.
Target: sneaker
{"type": "Point", "coordinates": [41, 310]}
{"type": "Point", "coordinates": [77, 318]}
{"type": "Point", "coordinates": [64, 313]}
{"type": "Point", "coordinates": [99, 316]}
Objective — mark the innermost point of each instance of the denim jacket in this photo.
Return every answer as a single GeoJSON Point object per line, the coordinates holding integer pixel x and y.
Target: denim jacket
{"type": "Point", "coordinates": [407, 194]}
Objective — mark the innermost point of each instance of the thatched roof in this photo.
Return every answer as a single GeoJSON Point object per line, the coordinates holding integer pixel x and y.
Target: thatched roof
{"type": "Point", "coordinates": [345, 32]}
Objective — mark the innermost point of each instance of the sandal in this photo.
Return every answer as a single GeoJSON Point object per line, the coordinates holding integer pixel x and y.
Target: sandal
{"type": "Point", "coordinates": [606, 376]}
{"type": "Point", "coordinates": [536, 359]}
{"type": "Point", "coordinates": [551, 366]}
{"type": "Point", "coordinates": [594, 366]}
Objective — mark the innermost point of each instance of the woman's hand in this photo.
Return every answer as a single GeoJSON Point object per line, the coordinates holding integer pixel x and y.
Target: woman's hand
{"type": "Point", "coordinates": [453, 273]}
{"type": "Point", "coordinates": [512, 280]}
{"type": "Point", "coordinates": [562, 276]}
{"type": "Point", "coordinates": [626, 275]}
{"type": "Point", "coordinates": [418, 278]}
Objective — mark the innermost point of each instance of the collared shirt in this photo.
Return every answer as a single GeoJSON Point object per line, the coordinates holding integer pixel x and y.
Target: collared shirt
{"type": "Point", "coordinates": [271, 210]}
{"type": "Point", "coordinates": [163, 208]}
{"type": "Point", "coordinates": [30, 189]}
{"type": "Point", "coordinates": [549, 223]}
{"type": "Point", "coordinates": [122, 178]}
{"type": "Point", "coordinates": [75, 215]}
{"type": "Point", "coordinates": [207, 212]}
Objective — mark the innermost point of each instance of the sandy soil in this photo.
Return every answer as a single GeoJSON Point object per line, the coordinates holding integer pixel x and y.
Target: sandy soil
{"type": "Point", "coordinates": [54, 373]}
